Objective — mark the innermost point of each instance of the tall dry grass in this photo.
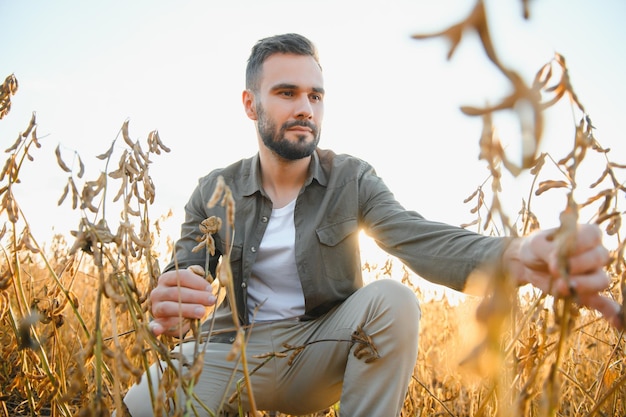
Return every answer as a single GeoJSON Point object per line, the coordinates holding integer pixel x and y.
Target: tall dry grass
{"type": "Point", "coordinates": [73, 315]}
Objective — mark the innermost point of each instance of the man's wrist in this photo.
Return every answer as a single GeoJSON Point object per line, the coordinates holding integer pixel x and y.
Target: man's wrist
{"type": "Point", "coordinates": [512, 264]}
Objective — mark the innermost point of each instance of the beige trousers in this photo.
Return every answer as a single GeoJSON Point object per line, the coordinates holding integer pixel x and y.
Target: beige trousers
{"type": "Point", "coordinates": [335, 365]}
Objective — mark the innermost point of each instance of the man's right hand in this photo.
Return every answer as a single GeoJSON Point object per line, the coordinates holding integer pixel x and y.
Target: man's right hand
{"type": "Point", "coordinates": [179, 295]}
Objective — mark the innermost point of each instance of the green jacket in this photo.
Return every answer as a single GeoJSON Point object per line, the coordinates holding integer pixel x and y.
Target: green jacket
{"type": "Point", "coordinates": [342, 195]}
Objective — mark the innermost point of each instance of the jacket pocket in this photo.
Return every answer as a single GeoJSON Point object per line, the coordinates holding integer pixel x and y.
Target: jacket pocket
{"type": "Point", "coordinates": [339, 249]}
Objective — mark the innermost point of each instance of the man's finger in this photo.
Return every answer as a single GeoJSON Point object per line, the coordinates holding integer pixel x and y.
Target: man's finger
{"type": "Point", "coordinates": [581, 284]}
{"type": "Point", "coordinates": [184, 295]}
{"type": "Point", "coordinates": [588, 237]}
{"type": "Point", "coordinates": [589, 260]}
{"type": "Point", "coordinates": [167, 309]}
{"type": "Point", "coordinates": [183, 278]}
{"type": "Point", "coordinates": [609, 308]}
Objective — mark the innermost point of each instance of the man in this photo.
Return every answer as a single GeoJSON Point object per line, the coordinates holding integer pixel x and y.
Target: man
{"type": "Point", "coordinates": [296, 264]}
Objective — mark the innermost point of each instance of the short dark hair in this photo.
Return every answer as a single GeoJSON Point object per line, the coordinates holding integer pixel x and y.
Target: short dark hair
{"type": "Point", "coordinates": [289, 43]}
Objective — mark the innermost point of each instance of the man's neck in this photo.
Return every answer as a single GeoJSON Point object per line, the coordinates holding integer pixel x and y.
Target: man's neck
{"type": "Point", "coordinates": [282, 180]}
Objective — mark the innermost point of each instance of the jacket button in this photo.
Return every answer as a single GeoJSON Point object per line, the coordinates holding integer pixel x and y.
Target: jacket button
{"type": "Point", "coordinates": [253, 249]}
{"type": "Point", "coordinates": [264, 219]}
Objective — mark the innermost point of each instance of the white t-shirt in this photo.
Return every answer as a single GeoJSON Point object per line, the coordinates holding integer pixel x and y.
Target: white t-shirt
{"type": "Point", "coordinates": [274, 283]}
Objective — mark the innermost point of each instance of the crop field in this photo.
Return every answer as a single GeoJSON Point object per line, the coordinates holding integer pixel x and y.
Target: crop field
{"type": "Point", "coordinates": [74, 312]}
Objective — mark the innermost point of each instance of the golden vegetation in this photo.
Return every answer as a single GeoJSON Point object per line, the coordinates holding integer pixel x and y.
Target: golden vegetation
{"type": "Point", "coordinates": [73, 316]}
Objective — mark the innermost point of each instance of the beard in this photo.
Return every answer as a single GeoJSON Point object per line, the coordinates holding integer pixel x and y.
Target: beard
{"type": "Point", "coordinates": [275, 139]}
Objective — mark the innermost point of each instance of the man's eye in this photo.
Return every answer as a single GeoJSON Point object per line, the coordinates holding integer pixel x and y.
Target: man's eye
{"type": "Point", "coordinates": [316, 97]}
{"type": "Point", "coordinates": [287, 93]}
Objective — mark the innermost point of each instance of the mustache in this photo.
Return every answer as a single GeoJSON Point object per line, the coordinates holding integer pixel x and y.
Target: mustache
{"type": "Point", "coordinates": [300, 123]}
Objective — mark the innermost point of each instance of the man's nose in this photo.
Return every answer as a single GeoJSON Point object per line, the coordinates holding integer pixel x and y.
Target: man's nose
{"type": "Point", "coordinates": [304, 108]}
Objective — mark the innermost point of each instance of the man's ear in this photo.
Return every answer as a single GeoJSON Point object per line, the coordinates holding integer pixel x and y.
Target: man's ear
{"type": "Point", "coordinates": [247, 98]}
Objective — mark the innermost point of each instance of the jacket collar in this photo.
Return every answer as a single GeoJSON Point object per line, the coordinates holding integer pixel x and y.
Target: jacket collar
{"type": "Point", "coordinates": [253, 167]}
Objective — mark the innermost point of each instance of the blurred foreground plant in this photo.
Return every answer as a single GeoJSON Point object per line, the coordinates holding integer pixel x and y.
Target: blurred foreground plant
{"type": "Point", "coordinates": [501, 344]}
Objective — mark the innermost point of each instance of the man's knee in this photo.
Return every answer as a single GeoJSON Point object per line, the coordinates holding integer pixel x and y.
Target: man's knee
{"type": "Point", "coordinates": [394, 308]}
{"type": "Point", "coordinates": [397, 297]}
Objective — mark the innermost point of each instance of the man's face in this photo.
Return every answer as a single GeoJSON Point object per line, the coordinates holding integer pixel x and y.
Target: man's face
{"type": "Point", "coordinates": [289, 105]}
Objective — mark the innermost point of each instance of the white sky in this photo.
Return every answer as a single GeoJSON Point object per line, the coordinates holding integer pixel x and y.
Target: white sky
{"type": "Point", "coordinates": [178, 67]}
